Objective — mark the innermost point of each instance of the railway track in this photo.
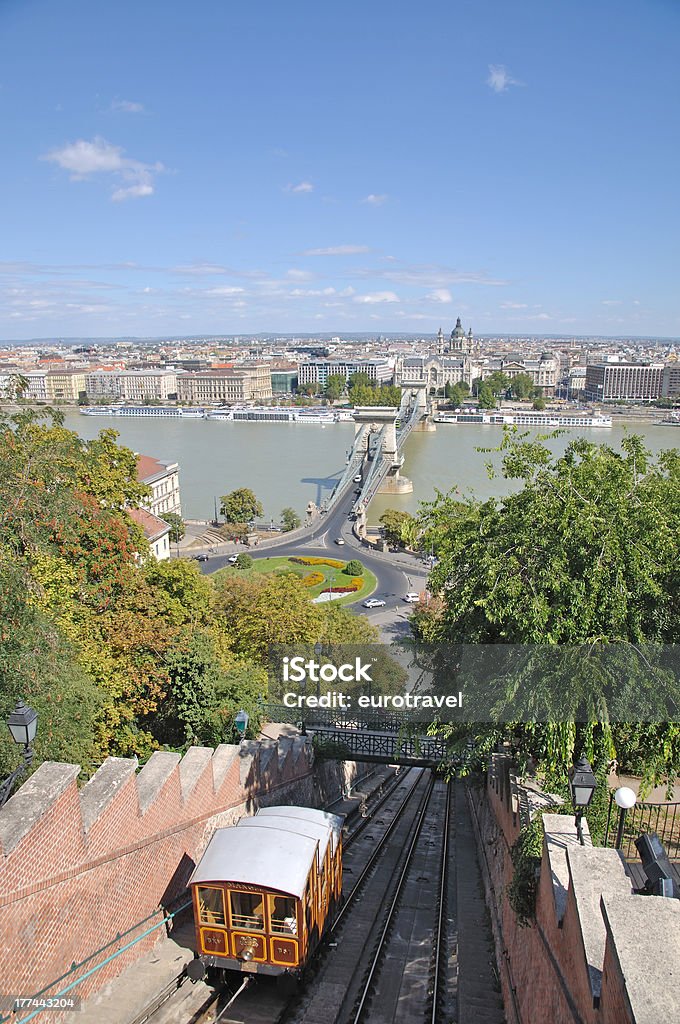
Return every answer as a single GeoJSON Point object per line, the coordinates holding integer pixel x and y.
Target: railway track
{"type": "Point", "coordinates": [375, 876]}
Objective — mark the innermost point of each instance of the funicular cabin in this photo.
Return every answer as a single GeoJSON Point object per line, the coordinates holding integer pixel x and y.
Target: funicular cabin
{"type": "Point", "coordinates": [265, 890]}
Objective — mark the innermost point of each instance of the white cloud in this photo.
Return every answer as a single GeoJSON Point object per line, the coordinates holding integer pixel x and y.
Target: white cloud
{"type": "Point", "coordinates": [500, 79]}
{"type": "Point", "coordinates": [127, 106]}
{"type": "Point", "coordinates": [611, 302]}
{"type": "Point", "coordinates": [373, 297]}
{"type": "Point", "coordinates": [303, 186]}
{"type": "Point", "coordinates": [375, 200]}
{"type": "Point", "coordinates": [313, 291]}
{"type": "Point", "coordinates": [225, 290]}
{"type": "Point", "coordinates": [513, 305]}
{"type": "Point", "coordinates": [298, 275]}
{"type": "Point", "coordinates": [440, 295]}
{"type": "Point", "coordinates": [83, 158]}
{"type": "Point", "coordinates": [427, 275]}
{"type": "Point", "coordinates": [337, 250]}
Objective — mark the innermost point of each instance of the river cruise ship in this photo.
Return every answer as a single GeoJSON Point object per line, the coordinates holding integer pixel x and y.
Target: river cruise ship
{"type": "Point", "coordinates": [526, 419]}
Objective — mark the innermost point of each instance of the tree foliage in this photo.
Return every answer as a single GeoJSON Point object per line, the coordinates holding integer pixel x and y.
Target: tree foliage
{"type": "Point", "coordinates": [396, 525]}
{"type": "Point", "coordinates": [290, 519]}
{"type": "Point", "coordinates": [586, 552]}
{"type": "Point", "coordinates": [240, 506]}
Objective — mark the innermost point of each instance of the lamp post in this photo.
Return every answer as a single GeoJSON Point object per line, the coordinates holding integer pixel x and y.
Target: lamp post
{"type": "Point", "coordinates": [582, 783]}
{"type": "Point", "coordinates": [241, 723]}
{"type": "Point", "coordinates": [624, 798]}
{"type": "Point", "coordinates": [22, 724]}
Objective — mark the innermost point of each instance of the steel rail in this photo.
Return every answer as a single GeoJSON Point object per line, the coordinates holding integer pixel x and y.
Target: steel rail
{"type": "Point", "coordinates": [394, 902]}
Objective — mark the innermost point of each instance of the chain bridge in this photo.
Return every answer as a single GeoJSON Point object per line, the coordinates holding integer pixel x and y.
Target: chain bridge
{"type": "Point", "coordinates": [376, 452]}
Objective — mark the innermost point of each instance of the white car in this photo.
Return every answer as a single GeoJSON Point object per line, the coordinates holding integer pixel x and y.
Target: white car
{"type": "Point", "coordinates": [374, 602]}
{"type": "Point", "coordinates": [232, 559]}
{"type": "Point", "coordinates": [412, 598]}
{"type": "Point", "coordinates": [339, 540]}
{"type": "Point", "coordinates": [357, 479]}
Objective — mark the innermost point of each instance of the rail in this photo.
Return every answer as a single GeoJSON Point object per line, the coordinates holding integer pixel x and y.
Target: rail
{"type": "Point", "coordinates": [664, 819]}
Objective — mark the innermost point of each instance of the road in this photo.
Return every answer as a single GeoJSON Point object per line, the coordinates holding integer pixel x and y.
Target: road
{"type": "Point", "coordinates": [396, 576]}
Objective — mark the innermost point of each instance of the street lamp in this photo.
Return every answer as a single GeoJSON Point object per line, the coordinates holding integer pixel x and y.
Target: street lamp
{"type": "Point", "coordinates": [582, 782]}
{"type": "Point", "coordinates": [241, 723]}
{"type": "Point", "coordinates": [624, 798]}
{"type": "Point", "coordinates": [22, 724]}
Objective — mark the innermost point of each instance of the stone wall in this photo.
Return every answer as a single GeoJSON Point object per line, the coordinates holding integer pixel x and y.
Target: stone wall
{"type": "Point", "coordinates": [80, 867]}
{"type": "Point", "coordinates": [596, 951]}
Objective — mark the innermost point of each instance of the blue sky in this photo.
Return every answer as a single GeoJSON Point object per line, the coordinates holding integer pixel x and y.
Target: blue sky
{"type": "Point", "coordinates": [217, 167]}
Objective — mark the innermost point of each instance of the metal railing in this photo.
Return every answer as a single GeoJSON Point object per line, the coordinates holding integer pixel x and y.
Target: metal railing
{"type": "Point", "coordinates": [664, 819]}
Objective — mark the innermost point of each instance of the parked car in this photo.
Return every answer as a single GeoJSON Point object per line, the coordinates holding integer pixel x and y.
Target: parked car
{"type": "Point", "coordinates": [412, 598]}
{"type": "Point", "coordinates": [339, 540]}
{"type": "Point", "coordinates": [374, 602]}
{"type": "Point", "coordinates": [201, 558]}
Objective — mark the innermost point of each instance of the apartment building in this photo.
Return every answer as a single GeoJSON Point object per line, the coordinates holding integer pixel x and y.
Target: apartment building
{"type": "Point", "coordinates": [317, 371]}
{"type": "Point", "coordinates": [64, 385]}
{"type": "Point", "coordinates": [151, 385]}
{"type": "Point", "coordinates": [163, 479]}
{"type": "Point", "coordinates": [224, 386]}
{"type": "Point", "coordinates": [632, 382]}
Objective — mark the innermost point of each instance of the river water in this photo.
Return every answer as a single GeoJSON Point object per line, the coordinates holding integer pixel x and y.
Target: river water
{"type": "Point", "coordinates": [289, 464]}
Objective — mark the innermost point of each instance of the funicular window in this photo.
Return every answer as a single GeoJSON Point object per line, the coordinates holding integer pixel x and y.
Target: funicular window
{"type": "Point", "coordinates": [247, 910]}
{"type": "Point", "coordinates": [282, 915]}
{"type": "Point", "coordinates": [211, 905]}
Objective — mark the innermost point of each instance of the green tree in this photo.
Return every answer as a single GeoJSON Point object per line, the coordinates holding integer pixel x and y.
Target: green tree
{"type": "Point", "coordinates": [394, 522]}
{"type": "Point", "coordinates": [456, 393]}
{"type": "Point", "coordinates": [290, 519]}
{"type": "Point", "coordinates": [335, 386]}
{"type": "Point", "coordinates": [308, 389]}
{"type": "Point", "coordinates": [486, 397]}
{"type": "Point", "coordinates": [586, 552]}
{"type": "Point", "coordinates": [243, 561]}
{"type": "Point", "coordinates": [522, 386]}
{"type": "Point", "coordinates": [539, 404]}
{"type": "Point", "coordinates": [498, 383]}
{"type": "Point", "coordinates": [240, 506]}
{"type": "Point", "coordinates": [176, 524]}
{"type": "Point", "coordinates": [354, 568]}
{"type": "Point", "coordinates": [359, 379]}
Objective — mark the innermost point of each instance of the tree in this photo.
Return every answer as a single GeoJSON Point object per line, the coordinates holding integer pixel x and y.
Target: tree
{"type": "Point", "coordinates": [176, 524]}
{"type": "Point", "coordinates": [240, 506]}
{"type": "Point", "coordinates": [243, 561]}
{"type": "Point", "coordinates": [522, 386]}
{"type": "Point", "coordinates": [485, 397]}
{"type": "Point", "coordinates": [308, 389]}
{"type": "Point", "coordinates": [498, 383]}
{"type": "Point", "coordinates": [359, 379]}
{"type": "Point", "coordinates": [586, 553]}
{"type": "Point", "coordinates": [290, 519]}
{"type": "Point", "coordinates": [456, 393]}
{"type": "Point", "coordinates": [335, 386]}
{"type": "Point", "coordinates": [539, 404]}
{"type": "Point", "coordinates": [589, 548]}
{"type": "Point", "coordinates": [354, 568]}
{"type": "Point", "coordinates": [393, 522]}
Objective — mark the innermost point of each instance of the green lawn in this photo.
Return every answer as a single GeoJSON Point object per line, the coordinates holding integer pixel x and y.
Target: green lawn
{"type": "Point", "coordinates": [332, 576]}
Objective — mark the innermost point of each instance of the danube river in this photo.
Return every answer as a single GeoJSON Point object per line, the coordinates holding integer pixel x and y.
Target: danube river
{"type": "Point", "coordinates": [289, 464]}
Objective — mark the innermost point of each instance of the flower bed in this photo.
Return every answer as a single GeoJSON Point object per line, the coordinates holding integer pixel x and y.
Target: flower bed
{"type": "Point", "coordinates": [312, 579]}
{"type": "Point", "coordinates": [349, 588]}
{"type": "Point", "coordinates": [311, 560]}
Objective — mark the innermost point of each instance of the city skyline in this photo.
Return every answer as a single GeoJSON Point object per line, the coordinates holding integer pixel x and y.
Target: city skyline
{"type": "Point", "coordinates": [301, 170]}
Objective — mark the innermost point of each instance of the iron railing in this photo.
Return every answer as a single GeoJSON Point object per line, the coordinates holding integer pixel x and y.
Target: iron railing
{"type": "Point", "coordinates": [664, 819]}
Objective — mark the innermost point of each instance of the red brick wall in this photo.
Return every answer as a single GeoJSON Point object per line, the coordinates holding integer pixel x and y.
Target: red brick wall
{"type": "Point", "coordinates": [543, 969]}
{"type": "Point", "coordinates": [75, 872]}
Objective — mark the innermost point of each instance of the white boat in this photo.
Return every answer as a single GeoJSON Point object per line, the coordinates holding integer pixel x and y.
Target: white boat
{"type": "Point", "coordinates": [526, 419]}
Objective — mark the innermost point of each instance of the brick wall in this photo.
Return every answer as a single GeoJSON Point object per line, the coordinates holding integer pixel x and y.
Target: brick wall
{"type": "Point", "coordinates": [79, 867]}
